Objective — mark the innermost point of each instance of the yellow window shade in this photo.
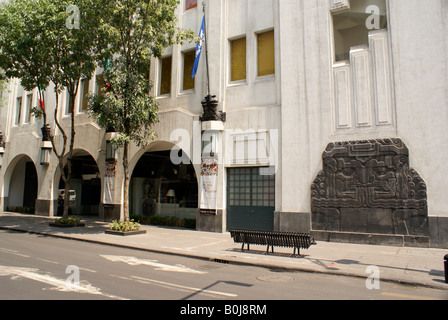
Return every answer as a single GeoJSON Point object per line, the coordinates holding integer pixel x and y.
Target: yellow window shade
{"type": "Point", "coordinates": [188, 82]}
{"type": "Point", "coordinates": [266, 53]}
{"type": "Point", "coordinates": [238, 59]}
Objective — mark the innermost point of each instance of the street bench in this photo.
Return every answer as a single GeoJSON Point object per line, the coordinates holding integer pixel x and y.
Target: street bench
{"type": "Point", "coordinates": [272, 238]}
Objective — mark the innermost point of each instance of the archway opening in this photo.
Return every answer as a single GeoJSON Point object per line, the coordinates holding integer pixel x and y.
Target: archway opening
{"type": "Point", "coordinates": [85, 186]}
{"type": "Point", "coordinates": [23, 186]}
{"type": "Point", "coordinates": [160, 188]}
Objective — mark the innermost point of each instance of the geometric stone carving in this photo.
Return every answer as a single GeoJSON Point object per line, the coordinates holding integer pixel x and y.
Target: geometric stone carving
{"type": "Point", "coordinates": [367, 186]}
{"type": "Point", "coordinates": [339, 5]}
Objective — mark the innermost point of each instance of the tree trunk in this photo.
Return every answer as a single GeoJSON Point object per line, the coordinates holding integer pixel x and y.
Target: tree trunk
{"type": "Point", "coordinates": [70, 153]}
{"type": "Point", "coordinates": [126, 183]}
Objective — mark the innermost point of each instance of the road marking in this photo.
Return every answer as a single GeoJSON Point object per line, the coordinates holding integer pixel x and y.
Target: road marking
{"type": "Point", "coordinates": [183, 288]}
{"type": "Point", "coordinates": [133, 261]}
{"type": "Point", "coordinates": [49, 261]}
{"type": "Point", "coordinates": [13, 252]}
{"type": "Point", "coordinates": [58, 284]}
{"type": "Point", "coordinates": [406, 296]}
{"type": "Point", "coordinates": [88, 270]}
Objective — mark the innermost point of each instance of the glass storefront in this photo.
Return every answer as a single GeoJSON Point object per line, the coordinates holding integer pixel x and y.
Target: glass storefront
{"type": "Point", "coordinates": [159, 187]}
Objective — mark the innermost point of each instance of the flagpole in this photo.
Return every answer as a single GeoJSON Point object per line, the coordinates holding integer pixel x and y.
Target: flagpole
{"type": "Point", "coordinates": [206, 50]}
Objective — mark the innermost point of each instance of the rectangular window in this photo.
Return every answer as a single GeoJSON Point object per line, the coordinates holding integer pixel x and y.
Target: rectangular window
{"type": "Point", "coordinates": [29, 106]}
{"type": "Point", "coordinates": [247, 187]}
{"type": "Point", "coordinates": [68, 106]}
{"type": "Point", "coordinates": [18, 110]}
{"type": "Point", "coordinates": [165, 76]}
{"type": "Point", "coordinates": [265, 54]}
{"type": "Point", "coordinates": [351, 27]}
{"type": "Point", "coordinates": [84, 94]}
{"type": "Point", "coordinates": [190, 4]}
{"type": "Point", "coordinates": [99, 85]}
{"type": "Point", "coordinates": [238, 59]}
{"type": "Point", "coordinates": [188, 81]}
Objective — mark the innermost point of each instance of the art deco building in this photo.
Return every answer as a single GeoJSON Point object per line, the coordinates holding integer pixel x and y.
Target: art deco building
{"type": "Point", "coordinates": [331, 118]}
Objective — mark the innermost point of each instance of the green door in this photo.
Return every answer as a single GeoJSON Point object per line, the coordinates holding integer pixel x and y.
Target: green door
{"type": "Point", "coordinates": [250, 199]}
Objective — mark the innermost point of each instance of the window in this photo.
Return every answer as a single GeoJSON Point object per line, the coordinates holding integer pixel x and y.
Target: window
{"type": "Point", "coordinates": [18, 110]}
{"type": "Point", "coordinates": [68, 100]}
{"type": "Point", "coordinates": [29, 106]}
{"type": "Point", "coordinates": [99, 85]}
{"type": "Point", "coordinates": [247, 187]}
{"type": "Point", "coordinates": [84, 94]}
{"type": "Point", "coordinates": [190, 4]}
{"type": "Point", "coordinates": [188, 81]}
{"type": "Point", "coordinates": [265, 54]}
{"type": "Point", "coordinates": [352, 26]}
{"type": "Point", "coordinates": [238, 59]}
{"type": "Point", "coordinates": [165, 76]}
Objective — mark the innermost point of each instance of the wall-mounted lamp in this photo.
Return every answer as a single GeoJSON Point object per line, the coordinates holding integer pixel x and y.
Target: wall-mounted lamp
{"type": "Point", "coordinates": [45, 149]}
{"type": "Point", "coordinates": [210, 143]}
{"type": "Point", "coordinates": [111, 150]}
{"type": "Point", "coordinates": [45, 153]}
{"type": "Point", "coordinates": [2, 148]}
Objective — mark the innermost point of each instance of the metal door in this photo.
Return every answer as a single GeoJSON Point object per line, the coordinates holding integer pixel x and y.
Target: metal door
{"type": "Point", "coordinates": [250, 199]}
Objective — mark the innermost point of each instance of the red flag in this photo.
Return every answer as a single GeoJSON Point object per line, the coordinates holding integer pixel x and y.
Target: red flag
{"type": "Point", "coordinates": [41, 104]}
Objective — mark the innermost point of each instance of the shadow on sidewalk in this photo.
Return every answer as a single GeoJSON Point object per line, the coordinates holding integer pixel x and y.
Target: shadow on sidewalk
{"type": "Point", "coordinates": [36, 224]}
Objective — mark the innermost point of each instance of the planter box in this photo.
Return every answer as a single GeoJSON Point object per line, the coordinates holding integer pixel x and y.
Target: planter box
{"type": "Point", "coordinates": [125, 233]}
{"type": "Point", "coordinates": [65, 225]}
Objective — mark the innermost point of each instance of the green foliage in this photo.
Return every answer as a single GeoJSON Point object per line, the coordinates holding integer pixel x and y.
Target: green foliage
{"type": "Point", "coordinates": [127, 107]}
{"type": "Point", "coordinates": [169, 221]}
{"type": "Point", "coordinates": [67, 220]}
{"type": "Point", "coordinates": [38, 48]}
{"type": "Point", "coordinates": [124, 225]}
{"type": "Point", "coordinates": [20, 209]}
{"type": "Point", "coordinates": [133, 32]}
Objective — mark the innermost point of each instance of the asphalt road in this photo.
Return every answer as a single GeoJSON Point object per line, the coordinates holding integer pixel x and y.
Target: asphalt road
{"type": "Point", "coordinates": [34, 267]}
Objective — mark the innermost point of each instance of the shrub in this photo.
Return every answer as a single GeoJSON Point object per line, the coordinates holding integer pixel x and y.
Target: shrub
{"type": "Point", "coordinates": [124, 226]}
{"type": "Point", "coordinates": [166, 221]}
{"type": "Point", "coordinates": [20, 209]}
{"type": "Point", "coordinates": [68, 220]}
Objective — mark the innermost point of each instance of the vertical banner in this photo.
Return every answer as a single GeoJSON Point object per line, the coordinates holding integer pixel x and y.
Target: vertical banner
{"type": "Point", "coordinates": [209, 184]}
{"type": "Point", "coordinates": [109, 180]}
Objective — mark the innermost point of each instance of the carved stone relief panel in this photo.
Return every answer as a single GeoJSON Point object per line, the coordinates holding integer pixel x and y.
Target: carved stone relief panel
{"type": "Point", "coordinates": [367, 186]}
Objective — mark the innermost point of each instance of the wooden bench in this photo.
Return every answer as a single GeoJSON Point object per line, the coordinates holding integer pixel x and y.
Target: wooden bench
{"type": "Point", "coordinates": [272, 238]}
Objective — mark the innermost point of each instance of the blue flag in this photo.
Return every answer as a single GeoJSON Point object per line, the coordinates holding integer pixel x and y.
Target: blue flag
{"type": "Point", "coordinates": [198, 49]}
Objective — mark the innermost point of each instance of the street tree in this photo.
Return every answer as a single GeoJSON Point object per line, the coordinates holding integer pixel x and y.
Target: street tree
{"type": "Point", "coordinates": [137, 30]}
{"type": "Point", "coordinates": [44, 42]}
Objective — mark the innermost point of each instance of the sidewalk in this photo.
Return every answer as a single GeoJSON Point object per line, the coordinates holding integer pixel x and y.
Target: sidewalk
{"type": "Point", "coordinates": [420, 266]}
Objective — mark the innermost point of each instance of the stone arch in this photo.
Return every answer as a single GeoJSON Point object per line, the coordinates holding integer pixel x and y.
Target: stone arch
{"type": "Point", "coordinates": [87, 182]}
{"type": "Point", "coordinates": [160, 187]}
{"type": "Point", "coordinates": [20, 184]}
